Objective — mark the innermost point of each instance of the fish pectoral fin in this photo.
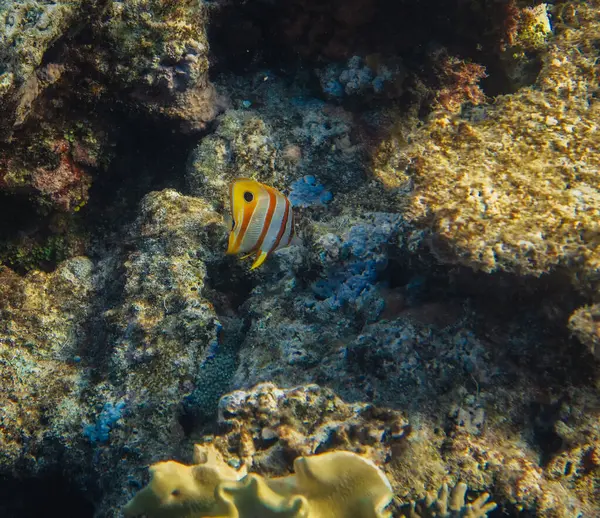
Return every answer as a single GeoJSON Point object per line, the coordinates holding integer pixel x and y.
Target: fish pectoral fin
{"type": "Point", "coordinates": [245, 256]}
{"type": "Point", "coordinates": [260, 258]}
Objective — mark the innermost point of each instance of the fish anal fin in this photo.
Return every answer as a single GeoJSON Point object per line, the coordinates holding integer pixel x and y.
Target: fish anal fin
{"type": "Point", "coordinates": [260, 258]}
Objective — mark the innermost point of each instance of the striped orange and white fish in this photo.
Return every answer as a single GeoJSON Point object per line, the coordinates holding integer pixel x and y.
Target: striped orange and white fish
{"type": "Point", "coordinates": [263, 220]}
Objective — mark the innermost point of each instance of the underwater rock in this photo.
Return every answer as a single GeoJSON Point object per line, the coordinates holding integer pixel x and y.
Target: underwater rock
{"type": "Point", "coordinates": [369, 77]}
{"type": "Point", "coordinates": [42, 327]}
{"type": "Point", "coordinates": [28, 29]}
{"type": "Point", "coordinates": [514, 186]}
{"type": "Point", "coordinates": [54, 164]}
{"type": "Point", "coordinates": [585, 325]}
{"type": "Point", "coordinates": [287, 139]}
{"type": "Point", "coordinates": [528, 33]}
{"type": "Point", "coordinates": [97, 359]}
{"type": "Point", "coordinates": [158, 52]}
{"type": "Point", "coordinates": [158, 337]}
{"type": "Point", "coordinates": [268, 426]}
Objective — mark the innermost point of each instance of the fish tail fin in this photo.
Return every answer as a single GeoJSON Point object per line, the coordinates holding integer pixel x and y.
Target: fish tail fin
{"type": "Point", "coordinates": [260, 258]}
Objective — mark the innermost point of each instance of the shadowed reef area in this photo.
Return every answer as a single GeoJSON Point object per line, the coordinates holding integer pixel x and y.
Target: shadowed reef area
{"type": "Point", "coordinates": [440, 316]}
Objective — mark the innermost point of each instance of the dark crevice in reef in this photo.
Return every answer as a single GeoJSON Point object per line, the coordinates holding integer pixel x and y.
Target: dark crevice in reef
{"type": "Point", "coordinates": [48, 494]}
{"type": "Point", "coordinates": [147, 157]}
{"type": "Point", "coordinates": [544, 417]}
{"type": "Point", "coordinates": [302, 34]}
{"type": "Point", "coordinates": [228, 284]}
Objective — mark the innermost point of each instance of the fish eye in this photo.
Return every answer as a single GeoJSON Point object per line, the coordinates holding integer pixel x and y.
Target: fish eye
{"type": "Point", "coordinates": [248, 196]}
{"type": "Point", "coordinates": [175, 492]}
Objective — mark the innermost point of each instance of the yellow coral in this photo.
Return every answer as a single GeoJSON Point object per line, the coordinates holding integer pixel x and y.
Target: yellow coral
{"type": "Point", "coordinates": [331, 485]}
{"type": "Point", "coordinates": [179, 490]}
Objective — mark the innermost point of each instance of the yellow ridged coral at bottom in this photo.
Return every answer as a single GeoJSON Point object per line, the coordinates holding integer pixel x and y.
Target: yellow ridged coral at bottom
{"type": "Point", "coordinates": [336, 484]}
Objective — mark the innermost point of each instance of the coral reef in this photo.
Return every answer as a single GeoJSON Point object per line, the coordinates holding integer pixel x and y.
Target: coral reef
{"type": "Point", "coordinates": [55, 166]}
{"type": "Point", "coordinates": [327, 485]}
{"type": "Point", "coordinates": [269, 426]}
{"type": "Point", "coordinates": [274, 149]}
{"type": "Point", "coordinates": [42, 324]}
{"type": "Point", "coordinates": [528, 33]}
{"type": "Point", "coordinates": [363, 76]}
{"type": "Point", "coordinates": [154, 332]}
{"type": "Point", "coordinates": [306, 192]}
{"type": "Point", "coordinates": [442, 161]}
{"type": "Point", "coordinates": [531, 205]}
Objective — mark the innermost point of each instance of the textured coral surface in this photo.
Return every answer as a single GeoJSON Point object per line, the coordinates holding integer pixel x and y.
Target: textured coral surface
{"type": "Point", "coordinates": [514, 186]}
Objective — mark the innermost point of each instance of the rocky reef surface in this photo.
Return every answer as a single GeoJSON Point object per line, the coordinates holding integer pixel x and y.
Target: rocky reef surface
{"type": "Point", "coordinates": [439, 316]}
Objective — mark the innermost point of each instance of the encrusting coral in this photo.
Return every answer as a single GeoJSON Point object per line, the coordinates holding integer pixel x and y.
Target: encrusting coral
{"type": "Point", "coordinates": [331, 485]}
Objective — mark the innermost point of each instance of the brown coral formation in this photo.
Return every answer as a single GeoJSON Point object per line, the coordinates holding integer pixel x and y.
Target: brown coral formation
{"type": "Point", "coordinates": [268, 427]}
{"type": "Point", "coordinates": [157, 50]}
{"type": "Point", "coordinates": [513, 186]}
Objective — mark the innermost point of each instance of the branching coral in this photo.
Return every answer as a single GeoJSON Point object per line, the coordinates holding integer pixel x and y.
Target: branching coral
{"type": "Point", "coordinates": [331, 485]}
{"type": "Point", "coordinates": [450, 504]}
